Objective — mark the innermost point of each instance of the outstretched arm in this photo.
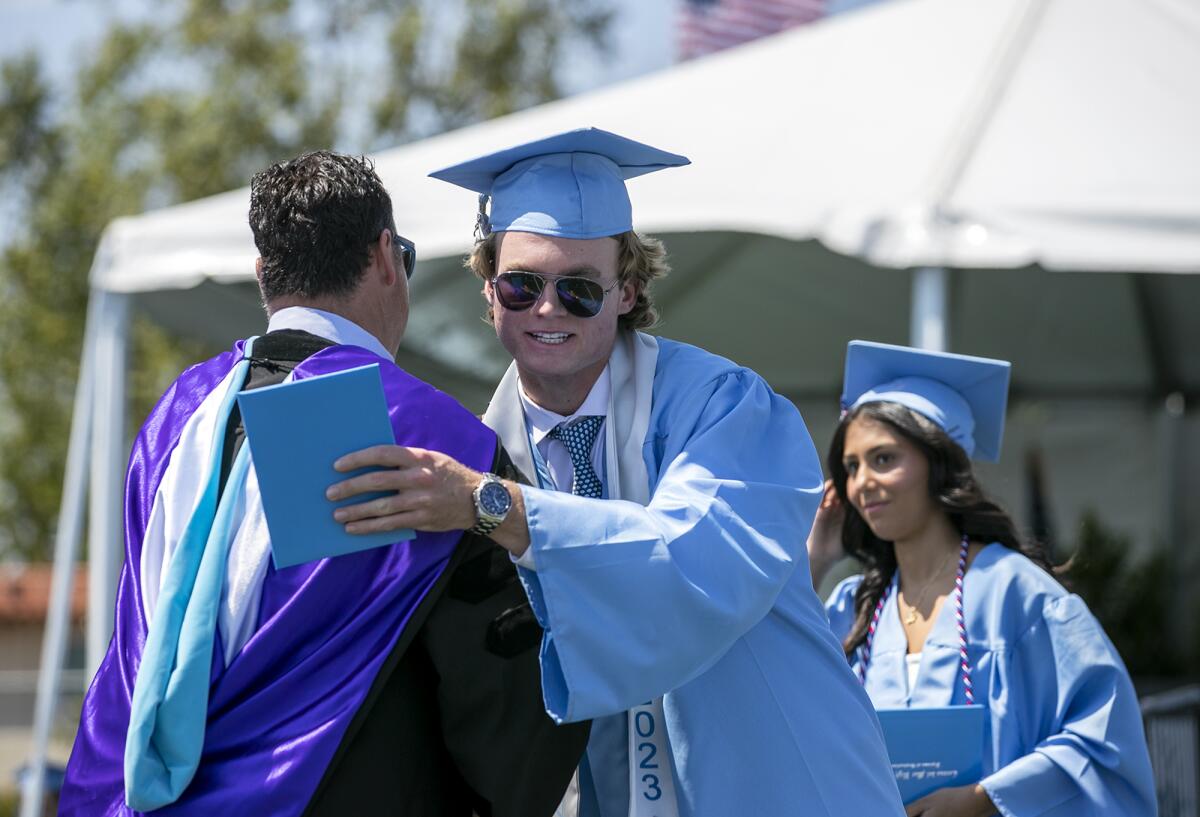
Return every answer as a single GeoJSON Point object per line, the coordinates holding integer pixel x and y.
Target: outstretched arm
{"type": "Point", "coordinates": [637, 600]}
{"type": "Point", "coordinates": [430, 491]}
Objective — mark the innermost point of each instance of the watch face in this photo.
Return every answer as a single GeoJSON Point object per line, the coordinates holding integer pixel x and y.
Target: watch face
{"type": "Point", "coordinates": [494, 499]}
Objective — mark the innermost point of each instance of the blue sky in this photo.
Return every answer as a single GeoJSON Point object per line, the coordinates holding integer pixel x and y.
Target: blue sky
{"type": "Point", "coordinates": [62, 30]}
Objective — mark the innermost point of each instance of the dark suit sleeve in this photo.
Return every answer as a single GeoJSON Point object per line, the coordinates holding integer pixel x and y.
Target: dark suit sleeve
{"type": "Point", "coordinates": [482, 640]}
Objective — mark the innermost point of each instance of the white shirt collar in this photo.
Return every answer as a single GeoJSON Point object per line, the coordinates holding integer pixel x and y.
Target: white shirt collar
{"type": "Point", "coordinates": [542, 421]}
{"type": "Point", "coordinates": [327, 325]}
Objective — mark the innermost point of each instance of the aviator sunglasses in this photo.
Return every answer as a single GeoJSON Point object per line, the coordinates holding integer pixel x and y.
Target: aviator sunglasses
{"type": "Point", "coordinates": [518, 291]}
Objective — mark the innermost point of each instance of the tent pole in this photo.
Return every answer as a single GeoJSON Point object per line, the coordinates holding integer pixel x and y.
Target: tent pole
{"type": "Point", "coordinates": [1175, 408]}
{"type": "Point", "coordinates": [105, 525]}
{"type": "Point", "coordinates": [927, 329]}
{"type": "Point", "coordinates": [66, 547]}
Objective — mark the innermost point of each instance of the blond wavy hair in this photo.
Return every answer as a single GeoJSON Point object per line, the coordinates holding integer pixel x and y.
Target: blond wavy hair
{"type": "Point", "coordinates": [640, 259]}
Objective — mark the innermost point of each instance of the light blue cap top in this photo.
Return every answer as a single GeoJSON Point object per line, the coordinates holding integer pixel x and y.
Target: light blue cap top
{"type": "Point", "coordinates": [571, 185]}
{"type": "Point", "coordinates": [965, 396]}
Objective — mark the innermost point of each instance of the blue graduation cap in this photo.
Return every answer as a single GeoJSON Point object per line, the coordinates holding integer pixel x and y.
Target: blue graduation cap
{"type": "Point", "coordinates": [966, 396]}
{"type": "Point", "coordinates": [571, 185]}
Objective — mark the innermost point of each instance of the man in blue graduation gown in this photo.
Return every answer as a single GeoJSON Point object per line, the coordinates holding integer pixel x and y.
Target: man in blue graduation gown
{"type": "Point", "coordinates": [397, 680]}
{"type": "Point", "coordinates": [663, 551]}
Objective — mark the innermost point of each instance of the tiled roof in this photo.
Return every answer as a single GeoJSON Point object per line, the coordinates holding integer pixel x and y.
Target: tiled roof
{"type": "Point", "coordinates": [25, 592]}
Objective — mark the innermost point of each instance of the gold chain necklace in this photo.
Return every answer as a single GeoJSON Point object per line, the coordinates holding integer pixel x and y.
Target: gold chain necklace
{"type": "Point", "coordinates": [911, 617]}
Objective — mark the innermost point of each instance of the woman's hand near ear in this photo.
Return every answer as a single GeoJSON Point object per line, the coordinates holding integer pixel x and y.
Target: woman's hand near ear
{"type": "Point", "coordinates": [825, 538]}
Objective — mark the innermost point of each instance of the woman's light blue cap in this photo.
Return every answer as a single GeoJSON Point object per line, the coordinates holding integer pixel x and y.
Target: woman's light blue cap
{"type": "Point", "coordinates": [571, 185]}
{"type": "Point", "coordinates": [966, 396]}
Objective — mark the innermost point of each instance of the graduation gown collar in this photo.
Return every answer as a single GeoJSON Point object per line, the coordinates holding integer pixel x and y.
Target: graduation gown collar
{"type": "Point", "coordinates": [632, 367]}
{"type": "Point", "coordinates": [939, 680]}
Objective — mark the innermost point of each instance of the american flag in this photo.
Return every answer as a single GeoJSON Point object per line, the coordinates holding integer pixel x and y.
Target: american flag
{"type": "Point", "coordinates": [706, 26]}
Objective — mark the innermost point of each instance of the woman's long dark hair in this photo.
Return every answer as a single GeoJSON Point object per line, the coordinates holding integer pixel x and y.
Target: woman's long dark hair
{"type": "Point", "coordinates": [953, 488]}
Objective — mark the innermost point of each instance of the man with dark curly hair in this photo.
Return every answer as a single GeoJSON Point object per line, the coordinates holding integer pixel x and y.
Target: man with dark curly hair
{"type": "Point", "coordinates": [663, 549]}
{"type": "Point", "coordinates": [397, 680]}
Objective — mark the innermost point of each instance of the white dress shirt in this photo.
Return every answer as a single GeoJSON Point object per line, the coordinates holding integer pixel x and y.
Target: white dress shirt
{"type": "Point", "coordinates": [341, 331]}
{"type": "Point", "coordinates": [541, 421]}
{"type": "Point", "coordinates": [912, 666]}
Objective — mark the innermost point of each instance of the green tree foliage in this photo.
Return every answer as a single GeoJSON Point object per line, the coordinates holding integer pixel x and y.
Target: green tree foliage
{"type": "Point", "coordinates": [188, 102]}
{"type": "Point", "coordinates": [504, 58]}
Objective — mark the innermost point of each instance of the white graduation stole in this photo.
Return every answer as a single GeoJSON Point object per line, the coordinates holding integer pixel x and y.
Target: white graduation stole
{"type": "Point", "coordinates": [631, 373]}
{"type": "Point", "coordinates": [651, 780]}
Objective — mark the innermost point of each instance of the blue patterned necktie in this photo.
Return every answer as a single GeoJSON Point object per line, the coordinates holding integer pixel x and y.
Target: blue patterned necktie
{"type": "Point", "coordinates": [579, 436]}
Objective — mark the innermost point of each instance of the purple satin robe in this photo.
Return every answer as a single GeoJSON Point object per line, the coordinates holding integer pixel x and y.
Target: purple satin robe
{"type": "Point", "coordinates": [278, 712]}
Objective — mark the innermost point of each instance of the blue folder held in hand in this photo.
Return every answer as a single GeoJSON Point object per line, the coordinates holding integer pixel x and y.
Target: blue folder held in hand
{"type": "Point", "coordinates": [295, 432]}
{"type": "Point", "coordinates": [933, 748]}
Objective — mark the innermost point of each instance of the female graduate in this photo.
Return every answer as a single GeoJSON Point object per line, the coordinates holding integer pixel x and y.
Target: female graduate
{"type": "Point", "coordinates": [954, 608]}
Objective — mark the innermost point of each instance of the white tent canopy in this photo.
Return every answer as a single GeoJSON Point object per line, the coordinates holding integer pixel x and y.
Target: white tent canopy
{"type": "Point", "coordinates": [1003, 139]}
{"type": "Point", "coordinates": [1057, 132]}
{"type": "Point", "coordinates": [983, 135]}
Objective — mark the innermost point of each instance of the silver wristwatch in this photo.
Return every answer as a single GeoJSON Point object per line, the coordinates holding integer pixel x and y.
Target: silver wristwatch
{"type": "Point", "coordinates": [492, 504]}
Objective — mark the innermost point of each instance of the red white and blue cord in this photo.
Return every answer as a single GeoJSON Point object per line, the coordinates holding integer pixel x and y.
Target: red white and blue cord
{"type": "Point", "coordinates": [865, 650]}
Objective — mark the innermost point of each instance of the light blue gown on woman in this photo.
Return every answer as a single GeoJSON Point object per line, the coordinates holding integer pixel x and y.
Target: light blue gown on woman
{"type": "Point", "coordinates": [1064, 736]}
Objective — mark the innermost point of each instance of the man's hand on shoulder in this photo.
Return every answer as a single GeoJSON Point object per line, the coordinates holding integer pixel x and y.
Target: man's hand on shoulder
{"type": "Point", "coordinates": [427, 491]}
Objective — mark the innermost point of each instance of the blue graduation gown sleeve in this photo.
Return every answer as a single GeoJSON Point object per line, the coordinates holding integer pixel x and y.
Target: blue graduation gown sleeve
{"type": "Point", "coordinates": [1093, 760]}
{"type": "Point", "coordinates": [637, 600]}
{"type": "Point", "coordinates": [839, 607]}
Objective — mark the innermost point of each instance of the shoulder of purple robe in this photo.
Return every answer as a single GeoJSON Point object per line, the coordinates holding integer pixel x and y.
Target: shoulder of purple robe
{"type": "Point", "coordinates": [422, 416]}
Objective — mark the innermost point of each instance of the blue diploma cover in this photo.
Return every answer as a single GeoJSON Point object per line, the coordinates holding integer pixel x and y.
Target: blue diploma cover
{"type": "Point", "coordinates": [295, 432]}
{"type": "Point", "coordinates": [933, 748]}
